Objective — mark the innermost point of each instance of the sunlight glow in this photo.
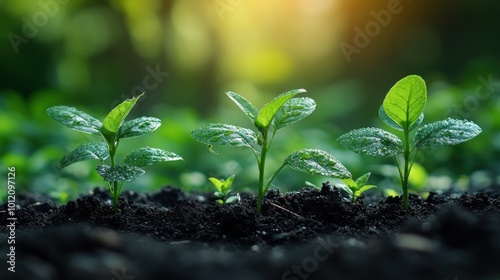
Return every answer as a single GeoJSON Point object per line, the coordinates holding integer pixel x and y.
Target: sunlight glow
{"type": "Point", "coordinates": [263, 42]}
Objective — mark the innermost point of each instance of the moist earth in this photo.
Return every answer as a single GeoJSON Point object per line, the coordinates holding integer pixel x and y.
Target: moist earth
{"type": "Point", "coordinates": [308, 234]}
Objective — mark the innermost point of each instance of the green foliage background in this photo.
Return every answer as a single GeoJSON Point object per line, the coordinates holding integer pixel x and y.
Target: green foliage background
{"type": "Point", "coordinates": [94, 54]}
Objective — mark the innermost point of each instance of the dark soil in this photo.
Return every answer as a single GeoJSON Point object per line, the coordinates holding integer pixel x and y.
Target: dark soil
{"type": "Point", "coordinates": [310, 234]}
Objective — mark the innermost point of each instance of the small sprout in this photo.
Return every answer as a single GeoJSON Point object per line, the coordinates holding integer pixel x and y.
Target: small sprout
{"type": "Point", "coordinates": [402, 110]}
{"type": "Point", "coordinates": [223, 189]}
{"type": "Point", "coordinates": [280, 112]}
{"type": "Point", "coordinates": [112, 130]}
{"type": "Point", "coordinates": [358, 187]}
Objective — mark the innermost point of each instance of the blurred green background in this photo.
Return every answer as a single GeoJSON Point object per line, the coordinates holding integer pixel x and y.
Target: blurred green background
{"type": "Point", "coordinates": [186, 53]}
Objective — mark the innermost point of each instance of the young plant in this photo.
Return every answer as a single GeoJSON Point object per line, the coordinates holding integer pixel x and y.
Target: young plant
{"type": "Point", "coordinates": [402, 110]}
{"type": "Point", "coordinates": [223, 190]}
{"type": "Point", "coordinates": [280, 112]}
{"type": "Point", "coordinates": [112, 130]}
{"type": "Point", "coordinates": [356, 188]}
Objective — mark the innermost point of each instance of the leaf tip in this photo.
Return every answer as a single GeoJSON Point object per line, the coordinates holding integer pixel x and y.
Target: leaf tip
{"type": "Point", "coordinates": [140, 95]}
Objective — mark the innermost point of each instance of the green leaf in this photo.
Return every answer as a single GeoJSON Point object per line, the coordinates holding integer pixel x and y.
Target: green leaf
{"type": "Point", "coordinates": [115, 118]}
{"type": "Point", "coordinates": [232, 199]}
{"type": "Point", "coordinates": [267, 113]}
{"type": "Point", "coordinates": [218, 184]}
{"type": "Point", "coordinates": [383, 115]}
{"type": "Point", "coordinates": [219, 194]}
{"type": "Point", "coordinates": [223, 186]}
{"type": "Point", "coordinates": [363, 179]}
{"type": "Point", "coordinates": [137, 127]}
{"type": "Point", "coordinates": [86, 151]}
{"type": "Point", "coordinates": [351, 184]}
{"type": "Point", "coordinates": [346, 188]}
{"type": "Point", "coordinates": [293, 111]}
{"type": "Point", "coordinates": [363, 189]}
{"type": "Point", "coordinates": [147, 156]}
{"type": "Point", "coordinates": [225, 135]}
{"type": "Point", "coordinates": [317, 162]}
{"type": "Point", "coordinates": [227, 184]}
{"type": "Point", "coordinates": [75, 119]}
{"type": "Point", "coordinates": [119, 173]}
{"type": "Point", "coordinates": [445, 133]}
{"type": "Point", "coordinates": [405, 101]}
{"type": "Point", "coordinates": [244, 105]}
{"type": "Point", "coordinates": [372, 141]}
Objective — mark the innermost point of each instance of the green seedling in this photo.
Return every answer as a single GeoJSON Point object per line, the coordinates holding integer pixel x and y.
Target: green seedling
{"type": "Point", "coordinates": [112, 130]}
{"type": "Point", "coordinates": [223, 190]}
{"type": "Point", "coordinates": [353, 188]}
{"type": "Point", "coordinates": [280, 112]}
{"type": "Point", "coordinates": [402, 110]}
{"type": "Point", "coordinates": [358, 187]}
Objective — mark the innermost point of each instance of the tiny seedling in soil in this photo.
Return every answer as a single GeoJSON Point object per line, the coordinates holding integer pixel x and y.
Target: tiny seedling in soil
{"type": "Point", "coordinates": [354, 188]}
{"type": "Point", "coordinates": [223, 189]}
{"type": "Point", "coordinates": [280, 112]}
{"type": "Point", "coordinates": [112, 130]}
{"type": "Point", "coordinates": [357, 187]}
{"type": "Point", "coordinates": [402, 110]}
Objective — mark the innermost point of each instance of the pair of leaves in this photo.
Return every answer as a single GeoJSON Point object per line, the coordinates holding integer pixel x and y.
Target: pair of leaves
{"type": "Point", "coordinates": [131, 168]}
{"type": "Point", "coordinates": [281, 111]}
{"type": "Point", "coordinates": [356, 188]}
{"type": "Point", "coordinates": [222, 186]}
{"type": "Point", "coordinates": [223, 189]}
{"type": "Point", "coordinates": [380, 143]}
{"type": "Point", "coordinates": [98, 150]}
{"type": "Point", "coordinates": [402, 109]}
{"type": "Point", "coordinates": [112, 128]}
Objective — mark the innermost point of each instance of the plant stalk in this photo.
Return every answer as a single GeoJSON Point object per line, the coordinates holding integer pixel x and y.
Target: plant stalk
{"type": "Point", "coordinates": [115, 196]}
{"type": "Point", "coordinates": [115, 193]}
{"type": "Point", "coordinates": [407, 167]}
{"type": "Point", "coordinates": [262, 165]}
